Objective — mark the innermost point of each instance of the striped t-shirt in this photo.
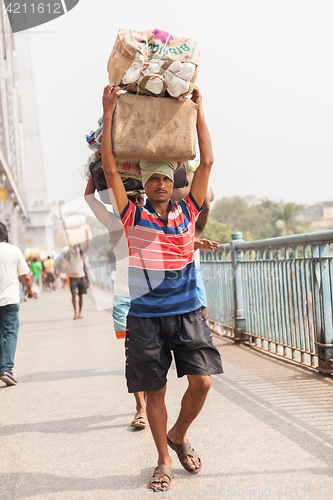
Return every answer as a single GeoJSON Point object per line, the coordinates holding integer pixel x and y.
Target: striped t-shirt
{"type": "Point", "coordinates": [161, 277]}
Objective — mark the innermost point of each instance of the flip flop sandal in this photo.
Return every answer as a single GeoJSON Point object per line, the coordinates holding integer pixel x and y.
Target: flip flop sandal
{"type": "Point", "coordinates": [139, 423]}
{"type": "Point", "coordinates": [184, 449]}
{"type": "Point", "coordinates": [159, 472]}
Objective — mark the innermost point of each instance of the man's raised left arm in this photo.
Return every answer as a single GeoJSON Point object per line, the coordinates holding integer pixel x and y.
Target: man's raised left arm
{"type": "Point", "coordinates": [200, 180]}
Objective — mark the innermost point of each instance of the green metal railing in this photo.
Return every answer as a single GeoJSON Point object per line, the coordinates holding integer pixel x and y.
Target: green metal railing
{"type": "Point", "coordinates": [275, 294]}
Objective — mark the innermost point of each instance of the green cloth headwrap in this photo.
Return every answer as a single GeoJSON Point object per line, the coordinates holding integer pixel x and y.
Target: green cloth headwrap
{"type": "Point", "coordinates": [148, 168]}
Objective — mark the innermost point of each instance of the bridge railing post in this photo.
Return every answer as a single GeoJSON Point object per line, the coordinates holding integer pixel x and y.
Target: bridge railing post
{"type": "Point", "coordinates": [237, 256]}
{"type": "Point", "coordinates": [323, 306]}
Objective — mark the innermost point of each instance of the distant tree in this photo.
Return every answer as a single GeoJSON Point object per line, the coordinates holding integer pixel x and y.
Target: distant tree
{"type": "Point", "coordinates": [288, 220]}
{"type": "Point", "coordinates": [217, 231]}
{"type": "Point", "coordinates": [259, 219]}
{"type": "Point", "coordinates": [231, 211]}
{"type": "Point", "coordinates": [240, 215]}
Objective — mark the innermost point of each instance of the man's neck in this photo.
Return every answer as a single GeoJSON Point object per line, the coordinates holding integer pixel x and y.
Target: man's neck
{"type": "Point", "coordinates": [162, 208]}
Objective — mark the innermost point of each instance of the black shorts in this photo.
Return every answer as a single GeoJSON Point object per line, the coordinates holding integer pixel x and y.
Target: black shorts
{"type": "Point", "coordinates": [78, 286]}
{"type": "Point", "coordinates": [149, 342]}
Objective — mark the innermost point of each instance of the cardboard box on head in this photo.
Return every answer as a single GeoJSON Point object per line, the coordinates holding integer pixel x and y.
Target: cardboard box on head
{"type": "Point", "coordinates": [150, 128]}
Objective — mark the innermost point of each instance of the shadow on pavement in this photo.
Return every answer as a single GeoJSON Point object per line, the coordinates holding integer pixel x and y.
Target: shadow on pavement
{"type": "Point", "coordinates": [289, 422]}
{"type": "Point", "coordinates": [65, 375]}
{"type": "Point", "coordinates": [67, 426]}
{"type": "Point", "coordinates": [25, 485]}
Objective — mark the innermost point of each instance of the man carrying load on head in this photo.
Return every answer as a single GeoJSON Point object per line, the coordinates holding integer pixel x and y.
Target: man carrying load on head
{"type": "Point", "coordinates": [164, 314]}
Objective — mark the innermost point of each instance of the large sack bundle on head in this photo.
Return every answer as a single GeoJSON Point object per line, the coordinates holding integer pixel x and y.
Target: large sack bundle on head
{"type": "Point", "coordinates": [154, 129]}
{"type": "Point", "coordinates": [76, 235]}
{"type": "Point", "coordinates": [31, 253]}
{"type": "Point", "coordinates": [154, 62]}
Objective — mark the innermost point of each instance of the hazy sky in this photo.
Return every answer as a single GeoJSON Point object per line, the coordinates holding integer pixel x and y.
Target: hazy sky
{"type": "Point", "coordinates": [266, 75]}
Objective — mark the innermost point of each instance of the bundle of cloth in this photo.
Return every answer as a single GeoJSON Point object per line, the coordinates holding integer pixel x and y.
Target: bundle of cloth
{"type": "Point", "coordinates": [94, 138]}
{"type": "Point", "coordinates": [154, 62]}
{"type": "Point", "coordinates": [176, 79]}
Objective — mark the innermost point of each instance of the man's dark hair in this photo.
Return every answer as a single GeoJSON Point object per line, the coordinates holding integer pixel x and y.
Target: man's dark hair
{"type": "Point", "coordinates": [3, 232]}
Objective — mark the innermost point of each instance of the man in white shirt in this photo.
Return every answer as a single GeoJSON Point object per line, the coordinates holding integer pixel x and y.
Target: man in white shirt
{"type": "Point", "coordinates": [12, 267]}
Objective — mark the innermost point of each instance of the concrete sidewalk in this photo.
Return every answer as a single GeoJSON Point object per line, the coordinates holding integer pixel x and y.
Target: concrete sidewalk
{"type": "Point", "coordinates": [265, 431]}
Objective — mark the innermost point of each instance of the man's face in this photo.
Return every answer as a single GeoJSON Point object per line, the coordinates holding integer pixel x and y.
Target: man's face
{"type": "Point", "coordinates": [158, 188]}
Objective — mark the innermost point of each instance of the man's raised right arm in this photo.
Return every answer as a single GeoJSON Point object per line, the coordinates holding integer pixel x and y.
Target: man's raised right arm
{"type": "Point", "coordinates": [108, 219]}
{"type": "Point", "coordinates": [112, 177]}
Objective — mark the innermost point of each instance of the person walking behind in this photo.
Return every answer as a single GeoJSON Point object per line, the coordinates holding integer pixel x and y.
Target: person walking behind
{"type": "Point", "coordinates": [164, 314]}
{"type": "Point", "coordinates": [36, 268]}
{"type": "Point", "coordinates": [12, 267]}
{"type": "Point", "coordinates": [121, 297]}
{"type": "Point", "coordinates": [77, 277]}
{"type": "Point", "coordinates": [49, 274]}
{"type": "Point", "coordinates": [60, 269]}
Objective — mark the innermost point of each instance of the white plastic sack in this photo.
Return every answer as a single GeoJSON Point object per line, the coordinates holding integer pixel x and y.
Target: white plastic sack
{"type": "Point", "coordinates": [139, 57]}
{"type": "Point", "coordinates": [74, 236]}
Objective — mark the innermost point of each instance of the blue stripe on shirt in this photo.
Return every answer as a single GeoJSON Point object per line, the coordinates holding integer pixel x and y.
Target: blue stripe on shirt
{"type": "Point", "coordinates": [170, 289]}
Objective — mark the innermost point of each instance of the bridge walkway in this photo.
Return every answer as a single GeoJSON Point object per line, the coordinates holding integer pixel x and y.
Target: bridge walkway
{"type": "Point", "coordinates": [265, 431]}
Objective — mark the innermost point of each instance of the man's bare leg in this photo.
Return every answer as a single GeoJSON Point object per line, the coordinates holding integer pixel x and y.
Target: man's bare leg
{"type": "Point", "coordinates": [157, 417]}
{"type": "Point", "coordinates": [80, 306]}
{"type": "Point", "coordinates": [191, 405]}
{"type": "Point", "coordinates": [141, 404]}
{"type": "Point", "coordinates": [74, 306]}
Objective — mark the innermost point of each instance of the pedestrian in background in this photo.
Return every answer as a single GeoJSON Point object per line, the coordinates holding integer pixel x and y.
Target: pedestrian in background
{"type": "Point", "coordinates": [77, 277]}
{"type": "Point", "coordinates": [36, 268]}
{"type": "Point", "coordinates": [12, 267]}
{"type": "Point", "coordinates": [60, 268]}
{"type": "Point", "coordinates": [121, 295]}
{"type": "Point", "coordinates": [49, 274]}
